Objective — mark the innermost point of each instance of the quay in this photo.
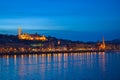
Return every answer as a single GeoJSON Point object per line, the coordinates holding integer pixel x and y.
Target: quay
{"type": "Point", "coordinates": [52, 52]}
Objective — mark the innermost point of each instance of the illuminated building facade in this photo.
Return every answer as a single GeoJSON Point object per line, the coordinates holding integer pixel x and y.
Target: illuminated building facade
{"type": "Point", "coordinates": [25, 36]}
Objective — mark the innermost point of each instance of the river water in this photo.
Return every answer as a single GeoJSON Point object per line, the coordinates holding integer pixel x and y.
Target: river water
{"type": "Point", "coordinates": [67, 66]}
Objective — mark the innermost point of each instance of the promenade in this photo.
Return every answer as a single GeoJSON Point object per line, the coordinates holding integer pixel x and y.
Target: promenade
{"type": "Point", "coordinates": [52, 52]}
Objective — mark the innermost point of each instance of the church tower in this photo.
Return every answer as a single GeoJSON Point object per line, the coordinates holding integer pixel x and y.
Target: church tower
{"type": "Point", "coordinates": [19, 31]}
{"type": "Point", "coordinates": [103, 44]}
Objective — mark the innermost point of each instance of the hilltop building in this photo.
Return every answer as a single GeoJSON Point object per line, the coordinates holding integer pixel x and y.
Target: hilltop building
{"type": "Point", "coordinates": [26, 36]}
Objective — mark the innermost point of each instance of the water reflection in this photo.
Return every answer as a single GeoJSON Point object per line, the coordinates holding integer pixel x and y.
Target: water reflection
{"type": "Point", "coordinates": [53, 66]}
{"type": "Point", "coordinates": [14, 59]}
{"type": "Point", "coordinates": [102, 61]}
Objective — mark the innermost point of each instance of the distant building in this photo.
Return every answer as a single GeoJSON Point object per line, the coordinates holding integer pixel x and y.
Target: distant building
{"type": "Point", "coordinates": [59, 42]}
{"type": "Point", "coordinates": [25, 36]}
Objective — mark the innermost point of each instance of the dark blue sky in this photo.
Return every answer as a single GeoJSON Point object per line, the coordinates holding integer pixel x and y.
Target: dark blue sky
{"type": "Point", "coordinates": [77, 15]}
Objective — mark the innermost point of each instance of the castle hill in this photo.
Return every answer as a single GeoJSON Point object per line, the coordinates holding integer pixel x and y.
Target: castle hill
{"type": "Point", "coordinates": [36, 43]}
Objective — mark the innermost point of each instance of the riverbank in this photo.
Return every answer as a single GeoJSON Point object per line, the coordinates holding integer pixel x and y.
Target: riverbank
{"type": "Point", "coordinates": [52, 52]}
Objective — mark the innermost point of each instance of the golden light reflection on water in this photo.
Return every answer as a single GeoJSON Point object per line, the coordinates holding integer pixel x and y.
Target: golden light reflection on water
{"type": "Point", "coordinates": [65, 56]}
{"type": "Point", "coordinates": [102, 60]}
{"type": "Point", "coordinates": [29, 58]}
{"type": "Point", "coordinates": [65, 59]}
{"type": "Point", "coordinates": [14, 59]}
{"type": "Point", "coordinates": [7, 56]}
{"type": "Point", "coordinates": [59, 56]}
{"type": "Point", "coordinates": [59, 60]}
{"type": "Point", "coordinates": [60, 64]}
{"type": "Point", "coordinates": [36, 58]}
{"type": "Point", "coordinates": [22, 59]}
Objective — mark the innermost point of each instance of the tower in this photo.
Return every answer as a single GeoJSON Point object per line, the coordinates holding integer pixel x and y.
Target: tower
{"type": "Point", "coordinates": [19, 31]}
{"type": "Point", "coordinates": [103, 44]}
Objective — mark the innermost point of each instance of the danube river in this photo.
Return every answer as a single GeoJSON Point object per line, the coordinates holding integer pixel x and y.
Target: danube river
{"type": "Point", "coordinates": [67, 66]}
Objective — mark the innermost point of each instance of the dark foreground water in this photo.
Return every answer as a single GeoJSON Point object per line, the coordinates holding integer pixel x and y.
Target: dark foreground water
{"type": "Point", "coordinates": [67, 66]}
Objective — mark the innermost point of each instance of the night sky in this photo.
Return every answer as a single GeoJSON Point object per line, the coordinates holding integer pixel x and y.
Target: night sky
{"type": "Point", "coordinates": [75, 15]}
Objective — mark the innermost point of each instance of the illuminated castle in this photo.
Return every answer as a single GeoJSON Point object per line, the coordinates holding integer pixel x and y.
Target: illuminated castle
{"type": "Point", "coordinates": [25, 36]}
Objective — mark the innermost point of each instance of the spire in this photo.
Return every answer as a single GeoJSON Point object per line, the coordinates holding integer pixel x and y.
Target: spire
{"type": "Point", "coordinates": [103, 43]}
{"type": "Point", "coordinates": [19, 31]}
